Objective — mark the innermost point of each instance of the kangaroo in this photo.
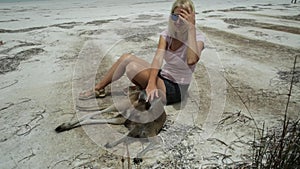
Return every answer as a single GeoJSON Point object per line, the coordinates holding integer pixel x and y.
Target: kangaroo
{"type": "Point", "coordinates": [143, 119]}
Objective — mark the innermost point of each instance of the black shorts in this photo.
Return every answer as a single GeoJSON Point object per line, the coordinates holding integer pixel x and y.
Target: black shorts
{"type": "Point", "coordinates": [174, 92]}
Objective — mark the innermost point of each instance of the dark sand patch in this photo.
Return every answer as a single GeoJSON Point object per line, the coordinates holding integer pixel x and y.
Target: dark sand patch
{"type": "Point", "coordinates": [265, 52]}
{"type": "Point", "coordinates": [294, 17]}
{"type": "Point", "coordinates": [92, 32]}
{"type": "Point", "coordinates": [99, 22]}
{"type": "Point", "coordinates": [142, 30]}
{"type": "Point", "coordinates": [208, 11]}
{"type": "Point", "coordinates": [239, 9]}
{"type": "Point", "coordinates": [258, 33]}
{"type": "Point", "coordinates": [286, 76]}
{"type": "Point", "coordinates": [150, 2]}
{"type": "Point", "coordinates": [22, 44]}
{"type": "Point", "coordinates": [8, 64]}
{"type": "Point", "coordinates": [11, 20]}
{"type": "Point", "coordinates": [139, 37]}
{"type": "Point", "coordinates": [67, 25]}
{"type": "Point", "coordinates": [286, 17]}
{"type": "Point", "coordinates": [148, 17]}
{"type": "Point", "coordinates": [253, 23]}
{"type": "Point", "coordinates": [22, 30]}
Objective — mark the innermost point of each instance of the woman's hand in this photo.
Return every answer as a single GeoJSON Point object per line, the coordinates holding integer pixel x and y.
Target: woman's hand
{"type": "Point", "coordinates": [152, 92]}
{"type": "Point", "coordinates": [188, 15]}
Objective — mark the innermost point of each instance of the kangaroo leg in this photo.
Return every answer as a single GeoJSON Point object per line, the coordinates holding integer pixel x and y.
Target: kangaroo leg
{"type": "Point", "coordinates": [126, 139]}
{"type": "Point", "coordinates": [86, 119]}
{"type": "Point", "coordinates": [115, 143]}
{"type": "Point", "coordinates": [115, 120]}
{"type": "Point", "coordinates": [153, 142]}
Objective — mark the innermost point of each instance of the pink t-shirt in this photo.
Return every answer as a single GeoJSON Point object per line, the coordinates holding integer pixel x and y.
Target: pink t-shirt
{"type": "Point", "coordinates": [176, 68]}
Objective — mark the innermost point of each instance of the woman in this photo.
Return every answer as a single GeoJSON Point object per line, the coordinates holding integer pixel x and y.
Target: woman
{"type": "Point", "coordinates": [180, 46]}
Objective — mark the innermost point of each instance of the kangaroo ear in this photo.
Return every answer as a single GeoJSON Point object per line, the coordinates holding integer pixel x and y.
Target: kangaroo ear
{"type": "Point", "coordinates": [147, 106]}
{"type": "Point", "coordinates": [142, 96]}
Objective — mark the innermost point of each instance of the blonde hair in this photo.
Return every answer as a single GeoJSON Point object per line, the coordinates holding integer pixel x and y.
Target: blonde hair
{"type": "Point", "coordinates": [184, 4]}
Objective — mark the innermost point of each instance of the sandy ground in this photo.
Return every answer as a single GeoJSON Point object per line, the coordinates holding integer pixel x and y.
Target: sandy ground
{"type": "Point", "coordinates": [53, 51]}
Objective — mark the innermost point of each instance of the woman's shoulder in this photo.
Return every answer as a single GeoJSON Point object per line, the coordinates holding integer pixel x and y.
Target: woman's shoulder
{"type": "Point", "coordinates": [164, 34]}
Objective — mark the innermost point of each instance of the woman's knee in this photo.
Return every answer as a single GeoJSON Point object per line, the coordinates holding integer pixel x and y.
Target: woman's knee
{"type": "Point", "coordinates": [133, 68]}
{"type": "Point", "coordinates": [137, 73]}
{"type": "Point", "coordinates": [127, 57]}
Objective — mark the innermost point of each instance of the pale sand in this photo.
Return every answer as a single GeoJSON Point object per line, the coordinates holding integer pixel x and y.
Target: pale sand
{"type": "Point", "coordinates": [58, 48]}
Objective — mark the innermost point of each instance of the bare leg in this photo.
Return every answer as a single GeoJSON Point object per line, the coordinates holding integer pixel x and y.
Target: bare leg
{"type": "Point", "coordinates": [127, 63]}
{"type": "Point", "coordinates": [118, 69]}
{"type": "Point", "coordinates": [136, 69]}
{"type": "Point", "coordinates": [139, 74]}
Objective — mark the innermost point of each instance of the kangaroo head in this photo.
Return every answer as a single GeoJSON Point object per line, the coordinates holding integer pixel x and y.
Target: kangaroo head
{"type": "Point", "coordinates": [142, 99]}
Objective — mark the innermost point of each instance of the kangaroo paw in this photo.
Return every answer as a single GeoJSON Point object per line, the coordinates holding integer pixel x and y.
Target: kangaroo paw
{"type": "Point", "coordinates": [137, 160]}
{"type": "Point", "coordinates": [64, 127]}
{"type": "Point", "coordinates": [107, 145]}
